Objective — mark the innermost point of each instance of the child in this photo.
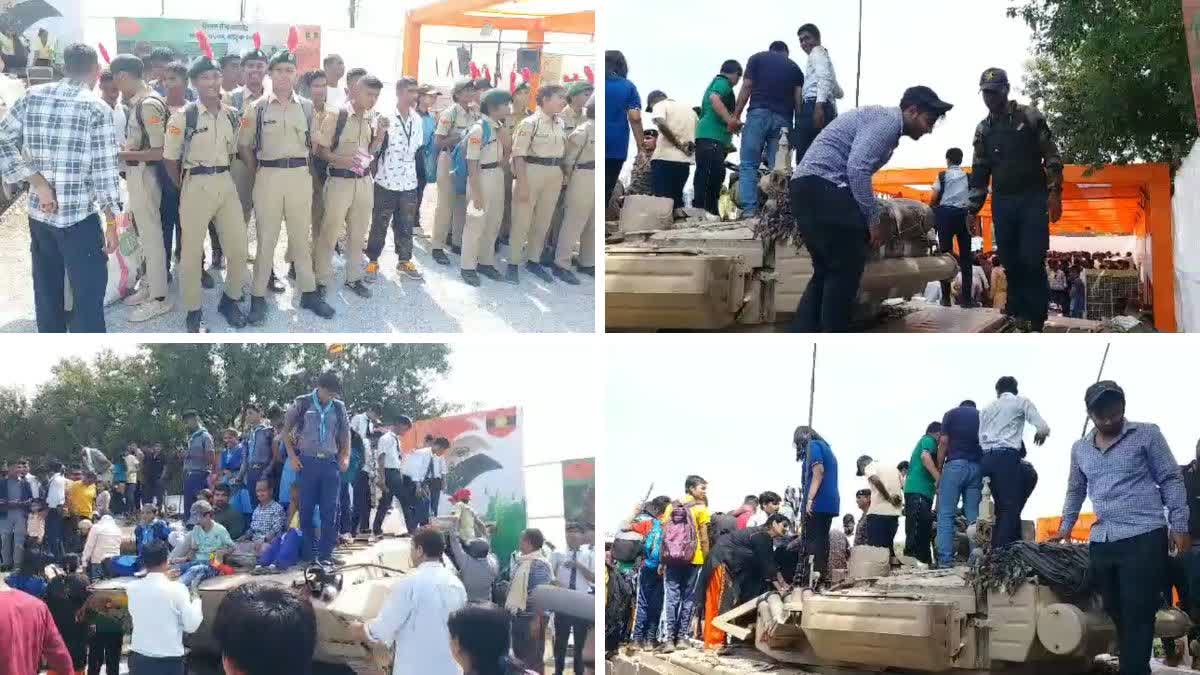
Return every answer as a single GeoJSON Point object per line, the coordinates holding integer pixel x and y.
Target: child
{"type": "Point", "coordinates": [231, 456]}
{"type": "Point", "coordinates": [31, 577]}
{"type": "Point", "coordinates": [150, 528]}
{"type": "Point", "coordinates": [204, 495]}
{"type": "Point", "coordinates": [66, 595]}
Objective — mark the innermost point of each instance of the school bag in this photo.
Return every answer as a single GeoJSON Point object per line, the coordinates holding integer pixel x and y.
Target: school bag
{"type": "Point", "coordinates": [261, 107]}
{"type": "Point", "coordinates": [679, 536]}
{"type": "Point", "coordinates": [458, 158]}
{"type": "Point", "coordinates": [626, 547]}
{"type": "Point", "coordinates": [320, 166]}
{"type": "Point", "coordinates": [191, 118]}
{"type": "Point", "coordinates": [652, 546]}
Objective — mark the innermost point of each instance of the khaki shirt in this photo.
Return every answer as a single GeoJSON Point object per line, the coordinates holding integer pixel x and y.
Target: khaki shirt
{"type": "Point", "coordinates": [154, 113]}
{"type": "Point", "coordinates": [284, 128]}
{"type": "Point", "coordinates": [477, 150]}
{"type": "Point", "coordinates": [571, 119]}
{"type": "Point", "coordinates": [581, 145]}
{"type": "Point", "coordinates": [356, 135]}
{"type": "Point", "coordinates": [213, 141]}
{"type": "Point", "coordinates": [539, 135]}
{"type": "Point", "coordinates": [455, 118]}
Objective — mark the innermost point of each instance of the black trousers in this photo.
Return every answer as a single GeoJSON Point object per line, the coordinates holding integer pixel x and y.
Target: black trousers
{"type": "Point", "coordinates": [529, 642]}
{"type": "Point", "coordinates": [563, 627]}
{"type": "Point", "coordinates": [816, 544]}
{"type": "Point", "coordinates": [360, 519]}
{"type": "Point", "coordinates": [710, 173]}
{"type": "Point", "coordinates": [421, 183]}
{"type": "Point", "coordinates": [951, 226]}
{"type": "Point", "coordinates": [149, 665]}
{"type": "Point", "coordinates": [391, 488]}
{"type": "Point", "coordinates": [400, 209]}
{"type": "Point", "coordinates": [104, 649]}
{"type": "Point", "coordinates": [1022, 224]}
{"type": "Point", "coordinates": [54, 542]}
{"type": "Point", "coordinates": [1130, 575]}
{"type": "Point", "coordinates": [435, 494]}
{"type": "Point", "coordinates": [668, 178]}
{"type": "Point", "coordinates": [1008, 482]}
{"type": "Point", "coordinates": [881, 530]}
{"type": "Point", "coordinates": [612, 172]}
{"type": "Point", "coordinates": [835, 234]}
{"type": "Point", "coordinates": [918, 527]}
{"type": "Point", "coordinates": [76, 254]}
{"type": "Point", "coordinates": [408, 504]}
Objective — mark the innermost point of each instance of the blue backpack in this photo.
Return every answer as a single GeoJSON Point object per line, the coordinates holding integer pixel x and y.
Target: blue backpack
{"type": "Point", "coordinates": [652, 546]}
{"type": "Point", "coordinates": [458, 159]}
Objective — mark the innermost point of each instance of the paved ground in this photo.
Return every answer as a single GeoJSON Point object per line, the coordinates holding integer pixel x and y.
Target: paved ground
{"type": "Point", "coordinates": [441, 303]}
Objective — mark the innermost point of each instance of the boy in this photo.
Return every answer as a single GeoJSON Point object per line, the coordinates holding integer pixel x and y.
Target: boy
{"type": "Point", "coordinates": [485, 188]}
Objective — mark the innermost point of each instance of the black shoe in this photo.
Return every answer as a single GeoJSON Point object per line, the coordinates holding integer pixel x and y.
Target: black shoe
{"type": "Point", "coordinates": [513, 276]}
{"type": "Point", "coordinates": [547, 258]}
{"type": "Point", "coordinates": [258, 311]}
{"type": "Point", "coordinates": [565, 275]}
{"type": "Point", "coordinates": [590, 271]}
{"type": "Point", "coordinates": [274, 284]}
{"type": "Point", "coordinates": [471, 277]}
{"type": "Point", "coordinates": [313, 302]}
{"type": "Point", "coordinates": [359, 288]}
{"type": "Point", "coordinates": [206, 279]}
{"type": "Point", "coordinates": [456, 250]}
{"type": "Point", "coordinates": [539, 272]}
{"type": "Point", "coordinates": [292, 271]}
{"type": "Point", "coordinates": [218, 260]}
{"type": "Point", "coordinates": [440, 257]}
{"type": "Point", "coordinates": [228, 307]}
{"type": "Point", "coordinates": [321, 289]}
{"type": "Point", "coordinates": [489, 272]}
{"type": "Point", "coordinates": [195, 322]}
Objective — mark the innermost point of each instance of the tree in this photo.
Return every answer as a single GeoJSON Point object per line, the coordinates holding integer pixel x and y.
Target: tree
{"type": "Point", "coordinates": [1112, 78]}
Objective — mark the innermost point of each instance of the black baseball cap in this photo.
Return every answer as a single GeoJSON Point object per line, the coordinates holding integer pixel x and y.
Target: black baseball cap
{"type": "Point", "coordinates": [993, 79]}
{"type": "Point", "coordinates": [1097, 392]}
{"type": "Point", "coordinates": [654, 97]}
{"type": "Point", "coordinates": [926, 99]}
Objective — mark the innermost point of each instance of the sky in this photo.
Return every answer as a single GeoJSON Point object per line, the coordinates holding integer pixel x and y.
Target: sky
{"type": "Point", "coordinates": [728, 414]}
{"type": "Point", "coordinates": [943, 44]}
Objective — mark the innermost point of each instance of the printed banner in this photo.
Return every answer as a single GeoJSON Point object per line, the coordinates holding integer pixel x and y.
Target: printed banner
{"type": "Point", "coordinates": [579, 491]}
{"type": "Point", "coordinates": [485, 457]}
{"type": "Point", "coordinates": [1191, 27]}
{"type": "Point", "coordinates": [141, 35]}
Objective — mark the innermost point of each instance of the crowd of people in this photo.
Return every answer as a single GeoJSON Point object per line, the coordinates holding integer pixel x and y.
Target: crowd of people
{"type": "Point", "coordinates": [681, 561]}
{"type": "Point", "coordinates": [315, 472]}
{"type": "Point", "coordinates": [203, 146]}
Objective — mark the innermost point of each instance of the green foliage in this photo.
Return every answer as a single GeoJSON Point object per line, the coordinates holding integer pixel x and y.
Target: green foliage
{"type": "Point", "coordinates": [1113, 79]}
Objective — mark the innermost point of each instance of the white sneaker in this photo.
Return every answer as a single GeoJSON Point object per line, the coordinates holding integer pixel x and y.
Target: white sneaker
{"type": "Point", "coordinates": [142, 294]}
{"type": "Point", "coordinates": [149, 310]}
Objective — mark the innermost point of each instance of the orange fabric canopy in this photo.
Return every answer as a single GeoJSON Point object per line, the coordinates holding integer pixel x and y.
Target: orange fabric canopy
{"type": "Point", "coordinates": [1048, 527]}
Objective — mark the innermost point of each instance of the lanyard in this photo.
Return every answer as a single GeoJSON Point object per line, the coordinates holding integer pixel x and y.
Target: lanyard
{"type": "Point", "coordinates": [406, 126]}
{"type": "Point", "coordinates": [254, 439]}
{"type": "Point", "coordinates": [322, 412]}
{"type": "Point", "coordinates": [195, 433]}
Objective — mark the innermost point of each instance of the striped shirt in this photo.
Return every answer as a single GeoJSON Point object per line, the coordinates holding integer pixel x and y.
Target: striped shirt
{"type": "Point", "coordinates": [1130, 483]}
{"type": "Point", "coordinates": [851, 149]}
{"type": "Point", "coordinates": [64, 132]}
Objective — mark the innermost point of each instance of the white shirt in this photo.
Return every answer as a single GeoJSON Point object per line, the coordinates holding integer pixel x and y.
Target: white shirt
{"type": "Point", "coordinates": [398, 166]}
{"type": "Point", "coordinates": [415, 464]}
{"type": "Point", "coordinates": [389, 449]}
{"type": "Point", "coordinates": [336, 95]}
{"type": "Point", "coordinates": [103, 541]}
{"type": "Point", "coordinates": [439, 466]}
{"type": "Point", "coordinates": [132, 464]}
{"type": "Point", "coordinates": [890, 477]}
{"type": "Point", "coordinates": [56, 491]}
{"type": "Point", "coordinates": [758, 519]}
{"type": "Point", "coordinates": [162, 611]}
{"type": "Point", "coordinates": [820, 82]}
{"type": "Point", "coordinates": [681, 121]}
{"type": "Point", "coordinates": [119, 124]}
{"type": "Point", "coordinates": [1002, 422]}
{"type": "Point", "coordinates": [35, 485]}
{"type": "Point", "coordinates": [954, 187]}
{"type": "Point", "coordinates": [413, 619]}
{"type": "Point", "coordinates": [562, 571]}
{"type": "Point", "coordinates": [362, 424]}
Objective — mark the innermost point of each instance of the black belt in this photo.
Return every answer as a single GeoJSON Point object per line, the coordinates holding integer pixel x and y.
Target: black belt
{"type": "Point", "coordinates": [287, 163]}
{"type": "Point", "coordinates": [585, 165]}
{"type": "Point", "coordinates": [544, 161]}
{"type": "Point", "coordinates": [343, 173]}
{"type": "Point", "coordinates": [492, 165]}
{"type": "Point", "coordinates": [206, 170]}
{"type": "Point", "coordinates": [141, 163]}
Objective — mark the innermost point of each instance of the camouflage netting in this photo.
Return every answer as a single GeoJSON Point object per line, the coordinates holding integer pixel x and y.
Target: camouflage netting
{"type": "Point", "coordinates": [906, 219]}
{"type": "Point", "coordinates": [776, 221]}
{"type": "Point", "coordinates": [1064, 568]}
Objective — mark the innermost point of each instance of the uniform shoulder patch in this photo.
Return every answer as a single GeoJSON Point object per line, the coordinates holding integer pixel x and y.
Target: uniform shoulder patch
{"type": "Point", "coordinates": [154, 120]}
{"type": "Point", "coordinates": [475, 140]}
{"type": "Point", "coordinates": [174, 131]}
{"type": "Point", "coordinates": [245, 121]}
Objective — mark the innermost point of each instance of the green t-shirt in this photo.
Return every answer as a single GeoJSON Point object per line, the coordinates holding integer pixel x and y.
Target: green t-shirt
{"type": "Point", "coordinates": [919, 480]}
{"type": "Point", "coordinates": [711, 126]}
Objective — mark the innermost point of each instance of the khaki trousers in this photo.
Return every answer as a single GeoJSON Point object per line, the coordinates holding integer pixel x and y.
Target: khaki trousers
{"type": "Point", "coordinates": [211, 197]}
{"type": "Point", "coordinates": [283, 195]}
{"type": "Point", "coordinates": [145, 201]}
{"type": "Point", "coordinates": [244, 180]}
{"type": "Point", "coordinates": [531, 220]}
{"type": "Point", "coordinates": [348, 206]}
{"type": "Point", "coordinates": [318, 216]}
{"type": "Point", "coordinates": [480, 232]}
{"type": "Point", "coordinates": [450, 213]}
{"type": "Point", "coordinates": [579, 217]}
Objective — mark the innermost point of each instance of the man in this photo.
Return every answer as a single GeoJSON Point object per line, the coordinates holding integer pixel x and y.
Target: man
{"type": "Point", "coordinates": [59, 137]}
{"type": "Point", "coordinates": [29, 635]}
{"type": "Point", "coordinates": [112, 96]}
{"type": "Point", "coordinates": [572, 117]}
{"type": "Point", "coordinates": [1001, 427]}
{"type": "Point", "coordinates": [679, 581]}
{"type": "Point", "coordinates": [742, 514]}
{"type": "Point", "coordinates": [153, 468]}
{"type": "Point", "coordinates": [919, 486]}
{"type": "Point", "coordinates": [94, 460]}
{"type": "Point", "coordinates": [1015, 152]}
{"type": "Point", "coordinates": [579, 218]}
{"type": "Point", "coordinates": [821, 90]}
{"type": "Point", "coordinates": [416, 468]}
{"type": "Point", "coordinates": [773, 87]}
{"type": "Point", "coordinates": [81, 505]}
{"type": "Point", "coordinates": [318, 434]}
{"type": "Point", "coordinates": [959, 455]}
{"type": "Point", "coordinates": [231, 73]}
{"type": "Point", "coordinates": [157, 62]}
{"type": "Point", "coordinates": [573, 570]}
{"type": "Point", "coordinates": [834, 203]}
{"type": "Point", "coordinates": [673, 157]}
{"type": "Point", "coordinates": [198, 162]}
{"type": "Point", "coordinates": [714, 136]}
{"type": "Point", "coordinates": [364, 424]}
{"type": "Point", "coordinates": [950, 215]}
{"type": "Point", "coordinates": [883, 516]}
{"type": "Point", "coordinates": [56, 499]}
{"type": "Point", "coordinates": [205, 542]}
{"type": "Point", "coordinates": [413, 618]}
{"type": "Point", "coordinates": [574, 114]}
{"type": "Point", "coordinates": [334, 67]}
{"type": "Point", "coordinates": [538, 147]}
{"type": "Point", "coordinates": [201, 459]}
{"type": "Point", "coordinates": [391, 482]}
{"type": "Point", "coordinates": [485, 188]}
{"type": "Point", "coordinates": [437, 477]}
{"type": "Point", "coordinates": [265, 628]}
{"type": "Point", "coordinates": [258, 440]}
{"type": "Point", "coordinates": [133, 476]}
{"type": "Point", "coordinates": [349, 190]}
{"type": "Point", "coordinates": [15, 500]}
{"type": "Point", "coordinates": [162, 611]}
{"type": "Point", "coordinates": [819, 502]}
{"type": "Point", "coordinates": [623, 110]}
{"type": "Point", "coordinates": [254, 69]}
{"type": "Point", "coordinates": [274, 149]}
{"type": "Point", "coordinates": [233, 520]}
{"type": "Point", "coordinates": [528, 571]}
{"type": "Point", "coordinates": [43, 49]}
{"type": "Point", "coordinates": [1126, 468]}
{"type": "Point", "coordinates": [396, 199]}
{"type": "Point", "coordinates": [314, 86]}
{"type": "Point", "coordinates": [768, 504]}
{"type": "Point", "coordinates": [174, 85]}
{"type": "Point", "coordinates": [452, 124]}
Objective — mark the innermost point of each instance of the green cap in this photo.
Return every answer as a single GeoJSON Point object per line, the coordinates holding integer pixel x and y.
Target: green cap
{"type": "Point", "coordinates": [202, 65]}
{"type": "Point", "coordinates": [282, 56]}
{"type": "Point", "coordinates": [462, 85]}
{"type": "Point", "coordinates": [577, 88]}
{"type": "Point", "coordinates": [494, 97]}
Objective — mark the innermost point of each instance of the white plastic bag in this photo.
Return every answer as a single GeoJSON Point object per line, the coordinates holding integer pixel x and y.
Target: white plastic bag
{"type": "Point", "coordinates": [124, 264]}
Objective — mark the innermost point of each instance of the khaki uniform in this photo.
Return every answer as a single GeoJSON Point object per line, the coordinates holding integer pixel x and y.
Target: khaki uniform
{"type": "Point", "coordinates": [572, 120]}
{"type": "Point", "coordinates": [206, 198]}
{"type": "Point", "coordinates": [451, 211]}
{"type": "Point", "coordinates": [480, 232]}
{"type": "Point", "coordinates": [318, 181]}
{"type": "Point", "coordinates": [580, 218]}
{"type": "Point", "coordinates": [538, 138]}
{"type": "Point", "coordinates": [281, 193]}
{"type": "Point", "coordinates": [242, 178]}
{"type": "Point", "coordinates": [506, 136]}
{"type": "Point", "coordinates": [145, 193]}
{"type": "Point", "coordinates": [348, 201]}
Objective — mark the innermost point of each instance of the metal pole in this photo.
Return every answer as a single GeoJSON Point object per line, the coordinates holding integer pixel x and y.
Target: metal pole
{"type": "Point", "coordinates": [812, 386]}
{"type": "Point", "coordinates": [1099, 374]}
{"type": "Point", "coordinates": [353, 12]}
{"type": "Point", "coordinates": [242, 13]}
{"type": "Point", "coordinates": [858, 72]}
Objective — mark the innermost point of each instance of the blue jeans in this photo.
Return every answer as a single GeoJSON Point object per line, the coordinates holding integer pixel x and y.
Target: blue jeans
{"type": "Point", "coordinates": [679, 602]}
{"type": "Point", "coordinates": [319, 483]}
{"type": "Point", "coordinates": [649, 605]}
{"type": "Point", "coordinates": [1022, 224]}
{"type": "Point", "coordinates": [195, 569]}
{"type": "Point", "coordinates": [74, 253]}
{"type": "Point", "coordinates": [761, 133]}
{"type": "Point", "coordinates": [193, 482]}
{"type": "Point", "coordinates": [961, 479]}
{"type": "Point", "coordinates": [343, 525]}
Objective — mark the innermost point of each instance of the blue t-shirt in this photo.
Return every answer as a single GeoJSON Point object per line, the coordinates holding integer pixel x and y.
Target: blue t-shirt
{"type": "Point", "coordinates": [620, 96]}
{"type": "Point", "coordinates": [774, 77]}
{"type": "Point", "coordinates": [961, 427]}
{"type": "Point", "coordinates": [827, 500]}
{"type": "Point", "coordinates": [231, 458]}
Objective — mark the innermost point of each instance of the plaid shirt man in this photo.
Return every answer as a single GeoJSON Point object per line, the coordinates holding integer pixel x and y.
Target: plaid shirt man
{"type": "Point", "coordinates": [64, 132]}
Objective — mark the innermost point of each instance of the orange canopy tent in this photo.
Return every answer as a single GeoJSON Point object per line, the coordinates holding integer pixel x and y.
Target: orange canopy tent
{"type": "Point", "coordinates": [1048, 527]}
{"type": "Point", "coordinates": [535, 17]}
{"type": "Point", "coordinates": [1121, 200]}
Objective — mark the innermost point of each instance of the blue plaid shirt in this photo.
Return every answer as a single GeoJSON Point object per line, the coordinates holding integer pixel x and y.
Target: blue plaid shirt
{"type": "Point", "coordinates": [851, 149]}
{"type": "Point", "coordinates": [1130, 483]}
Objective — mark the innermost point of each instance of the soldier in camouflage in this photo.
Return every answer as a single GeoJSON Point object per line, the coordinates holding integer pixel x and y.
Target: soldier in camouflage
{"type": "Point", "coordinates": [1015, 152]}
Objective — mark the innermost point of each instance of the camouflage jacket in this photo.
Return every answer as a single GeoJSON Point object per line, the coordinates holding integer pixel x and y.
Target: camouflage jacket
{"type": "Point", "coordinates": [1015, 153]}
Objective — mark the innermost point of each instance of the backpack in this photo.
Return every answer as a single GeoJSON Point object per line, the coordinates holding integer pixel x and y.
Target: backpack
{"type": "Point", "coordinates": [626, 547]}
{"type": "Point", "coordinates": [652, 546]}
{"type": "Point", "coordinates": [320, 166]}
{"type": "Point", "coordinates": [618, 608]}
{"type": "Point", "coordinates": [680, 537]}
{"type": "Point", "coordinates": [458, 158]}
{"type": "Point", "coordinates": [357, 458]}
{"type": "Point", "coordinates": [191, 117]}
{"type": "Point", "coordinates": [261, 107]}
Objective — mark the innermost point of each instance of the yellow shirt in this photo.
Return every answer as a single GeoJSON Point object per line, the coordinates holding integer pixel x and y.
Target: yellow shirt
{"type": "Point", "coordinates": [81, 498]}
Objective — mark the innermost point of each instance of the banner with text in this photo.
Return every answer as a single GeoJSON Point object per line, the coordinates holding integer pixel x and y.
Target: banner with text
{"type": "Point", "coordinates": [140, 35]}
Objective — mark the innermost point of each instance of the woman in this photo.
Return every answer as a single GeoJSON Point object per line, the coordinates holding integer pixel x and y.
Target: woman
{"type": "Point", "coordinates": [479, 641]}
{"type": "Point", "coordinates": [743, 567]}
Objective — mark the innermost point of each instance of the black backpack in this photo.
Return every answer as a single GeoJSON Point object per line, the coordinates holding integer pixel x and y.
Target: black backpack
{"type": "Point", "coordinates": [618, 609]}
{"type": "Point", "coordinates": [191, 118]}
{"type": "Point", "coordinates": [321, 166]}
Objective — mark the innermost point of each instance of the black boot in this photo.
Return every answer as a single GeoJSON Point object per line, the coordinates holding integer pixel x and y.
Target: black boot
{"type": "Point", "coordinates": [513, 276]}
{"type": "Point", "coordinates": [228, 307]}
{"type": "Point", "coordinates": [258, 311]}
{"type": "Point", "coordinates": [565, 275]}
{"type": "Point", "coordinates": [321, 288]}
{"type": "Point", "coordinates": [274, 284]}
{"type": "Point", "coordinates": [539, 272]}
{"type": "Point", "coordinates": [359, 288]}
{"type": "Point", "coordinates": [440, 257]}
{"type": "Point", "coordinates": [471, 277]}
{"type": "Point", "coordinates": [218, 260]}
{"type": "Point", "coordinates": [316, 304]}
{"type": "Point", "coordinates": [292, 271]}
{"type": "Point", "coordinates": [456, 250]}
{"type": "Point", "coordinates": [195, 322]}
{"type": "Point", "coordinates": [489, 272]}
{"type": "Point", "coordinates": [206, 279]}
{"type": "Point", "coordinates": [590, 270]}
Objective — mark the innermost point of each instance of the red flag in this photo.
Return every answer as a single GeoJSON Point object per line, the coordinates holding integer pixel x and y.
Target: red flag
{"type": "Point", "coordinates": [205, 47]}
{"type": "Point", "coordinates": [474, 71]}
{"type": "Point", "coordinates": [293, 39]}
{"type": "Point", "coordinates": [104, 53]}
{"type": "Point", "coordinates": [526, 74]}
{"type": "Point", "coordinates": [257, 37]}
{"type": "Point", "coordinates": [487, 72]}
{"type": "Point", "coordinates": [512, 82]}
{"type": "Point", "coordinates": [591, 75]}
